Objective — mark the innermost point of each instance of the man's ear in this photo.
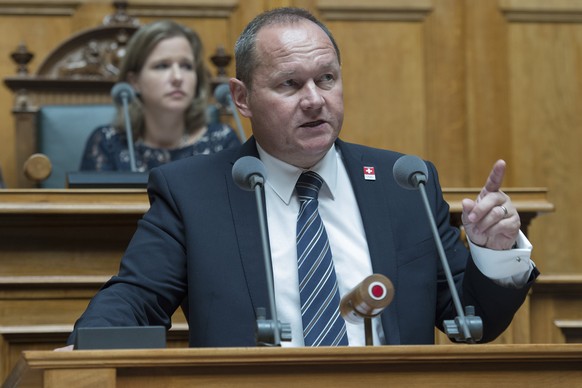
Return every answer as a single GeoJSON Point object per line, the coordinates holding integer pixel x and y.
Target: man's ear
{"type": "Point", "coordinates": [239, 93]}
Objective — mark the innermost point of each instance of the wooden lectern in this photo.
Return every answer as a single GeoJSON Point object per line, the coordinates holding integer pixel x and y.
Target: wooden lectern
{"type": "Point", "coordinates": [394, 366]}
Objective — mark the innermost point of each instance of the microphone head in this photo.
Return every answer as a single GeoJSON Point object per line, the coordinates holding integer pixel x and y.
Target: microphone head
{"type": "Point", "coordinates": [247, 172]}
{"type": "Point", "coordinates": [222, 95]}
{"type": "Point", "coordinates": [409, 171]}
{"type": "Point", "coordinates": [122, 90]}
{"type": "Point", "coordinates": [367, 299]}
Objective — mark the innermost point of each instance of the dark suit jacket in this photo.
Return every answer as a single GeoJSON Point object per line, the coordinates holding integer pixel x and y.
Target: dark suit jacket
{"type": "Point", "coordinates": [200, 240]}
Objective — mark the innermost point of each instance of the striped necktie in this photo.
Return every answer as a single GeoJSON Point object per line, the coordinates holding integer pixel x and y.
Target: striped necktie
{"type": "Point", "coordinates": [318, 290]}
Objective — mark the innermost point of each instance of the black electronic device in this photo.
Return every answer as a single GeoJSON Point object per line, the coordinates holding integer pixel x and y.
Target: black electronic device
{"type": "Point", "coordinates": [107, 180]}
{"type": "Point", "coordinates": [130, 337]}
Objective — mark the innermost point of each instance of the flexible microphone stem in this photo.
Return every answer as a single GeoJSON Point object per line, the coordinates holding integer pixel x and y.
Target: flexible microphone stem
{"type": "Point", "coordinates": [249, 174]}
{"type": "Point", "coordinates": [451, 282]}
{"type": "Point", "coordinates": [128, 133]}
{"type": "Point", "coordinates": [268, 262]}
{"type": "Point", "coordinates": [122, 94]}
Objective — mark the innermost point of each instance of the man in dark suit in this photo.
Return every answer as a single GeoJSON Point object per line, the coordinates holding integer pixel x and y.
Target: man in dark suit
{"type": "Point", "coordinates": [200, 239]}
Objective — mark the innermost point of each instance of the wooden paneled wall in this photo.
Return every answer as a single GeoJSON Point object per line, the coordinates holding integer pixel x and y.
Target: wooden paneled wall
{"type": "Point", "coordinates": [459, 82]}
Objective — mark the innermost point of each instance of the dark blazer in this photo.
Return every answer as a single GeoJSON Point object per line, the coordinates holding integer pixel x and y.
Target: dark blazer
{"type": "Point", "coordinates": [200, 239]}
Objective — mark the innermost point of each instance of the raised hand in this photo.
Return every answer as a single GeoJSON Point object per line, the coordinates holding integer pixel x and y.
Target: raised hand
{"type": "Point", "coordinates": [491, 220]}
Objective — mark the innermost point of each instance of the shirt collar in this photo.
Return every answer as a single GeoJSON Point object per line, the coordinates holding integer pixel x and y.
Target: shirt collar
{"type": "Point", "coordinates": [281, 176]}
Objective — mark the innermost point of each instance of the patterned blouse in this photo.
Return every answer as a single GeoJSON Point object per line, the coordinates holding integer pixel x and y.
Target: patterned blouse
{"type": "Point", "coordinates": [106, 149]}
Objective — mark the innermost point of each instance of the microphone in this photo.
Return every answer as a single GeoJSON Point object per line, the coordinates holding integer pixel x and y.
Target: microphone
{"type": "Point", "coordinates": [368, 299]}
{"type": "Point", "coordinates": [121, 91]}
{"type": "Point", "coordinates": [223, 97]}
{"type": "Point", "coordinates": [411, 173]}
{"type": "Point", "coordinates": [122, 94]}
{"type": "Point", "coordinates": [249, 174]}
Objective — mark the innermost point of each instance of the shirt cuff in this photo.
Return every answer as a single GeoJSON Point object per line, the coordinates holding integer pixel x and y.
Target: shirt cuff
{"type": "Point", "coordinates": [508, 268]}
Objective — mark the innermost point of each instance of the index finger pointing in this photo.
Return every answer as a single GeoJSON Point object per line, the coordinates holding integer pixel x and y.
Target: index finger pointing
{"type": "Point", "coordinates": [495, 178]}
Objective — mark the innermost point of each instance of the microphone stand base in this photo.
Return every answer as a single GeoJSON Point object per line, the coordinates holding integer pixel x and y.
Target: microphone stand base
{"type": "Point", "coordinates": [470, 324]}
{"type": "Point", "coordinates": [267, 330]}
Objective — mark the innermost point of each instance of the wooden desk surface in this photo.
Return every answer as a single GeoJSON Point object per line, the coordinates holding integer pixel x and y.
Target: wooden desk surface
{"type": "Point", "coordinates": [134, 201]}
{"type": "Point", "coordinates": [426, 366]}
{"type": "Point", "coordinates": [73, 201]}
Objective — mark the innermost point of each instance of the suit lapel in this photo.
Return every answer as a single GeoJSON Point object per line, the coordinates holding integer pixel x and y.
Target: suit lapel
{"type": "Point", "coordinates": [373, 200]}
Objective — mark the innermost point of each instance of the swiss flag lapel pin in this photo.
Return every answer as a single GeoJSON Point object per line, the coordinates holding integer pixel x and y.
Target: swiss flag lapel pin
{"type": "Point", "coordinates": [369, 173]}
